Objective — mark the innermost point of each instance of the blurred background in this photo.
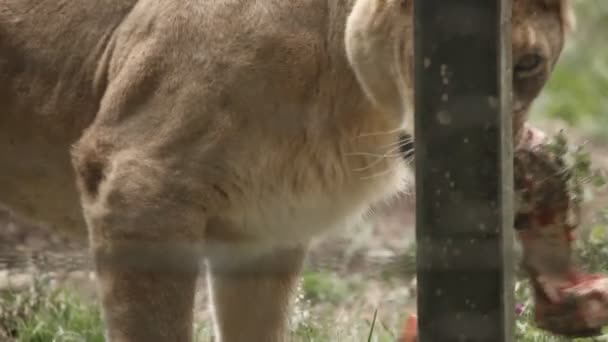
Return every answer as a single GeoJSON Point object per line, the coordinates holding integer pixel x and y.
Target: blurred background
{"type": "Point", "coordinates": [577, 94]}
{"type": "Point", "coordinates": [351, 289]}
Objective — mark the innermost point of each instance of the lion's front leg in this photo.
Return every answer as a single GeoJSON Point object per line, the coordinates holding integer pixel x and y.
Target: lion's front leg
{"type": "Point", "coordinates": [148, 303]}
{"type": "Point", "coordinates": [251, 294]}
{"type": "Point", "coordinates": [146, 241]}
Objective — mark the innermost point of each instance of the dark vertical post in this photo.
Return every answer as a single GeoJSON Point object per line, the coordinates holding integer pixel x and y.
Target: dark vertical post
{"type": "Point", "coordinates": [464, 170]}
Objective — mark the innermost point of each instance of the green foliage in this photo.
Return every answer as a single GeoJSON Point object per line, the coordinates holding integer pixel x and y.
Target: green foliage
{"type": "Point", "coordinates": [322, 287]}
{"type": "Point", "coordinates": [592, 251]}
{"type": "Point", "coordinates": [578, 89]}
{"type": "Point", "coordinates": [43, 315]}
{"type": "Point", "coordinates": [582, 179]}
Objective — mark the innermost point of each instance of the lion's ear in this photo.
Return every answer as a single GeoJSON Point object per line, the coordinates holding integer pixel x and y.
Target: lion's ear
{"type": "Point", "coordinates": [566, 13]}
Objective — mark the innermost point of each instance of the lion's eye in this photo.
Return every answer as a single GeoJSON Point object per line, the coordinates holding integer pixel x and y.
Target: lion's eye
{"type": "Point", "coordinates": [528, 65]}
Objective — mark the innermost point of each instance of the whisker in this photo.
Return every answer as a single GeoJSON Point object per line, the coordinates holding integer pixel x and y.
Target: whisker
{"type": "Point", "coordinates": [371, 134]}
{"type": "Point", "coordinates": [409, 154]}
{"type": "Point", "coordinates": [378, 174]}
{"type": "Point", "coordinates": [380, 158]}
{"type": "Point", "coordinates": [374, 163]}
{"type": "Point", "coordinates": [363, 154]}
{"type": "Point", "coordinates": [399, 143]}
{"type": "Point", "coordinates": [377, 155]}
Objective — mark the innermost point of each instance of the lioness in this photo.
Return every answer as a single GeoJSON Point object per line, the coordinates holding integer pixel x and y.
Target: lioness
{"type": "Point", "coordinates": [225, 131]}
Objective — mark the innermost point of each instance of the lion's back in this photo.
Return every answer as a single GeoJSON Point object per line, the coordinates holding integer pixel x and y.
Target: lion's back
{"type": "Point", "coordinates": [262, 60]}
{"type": "Point", "coordinates": [48, 54]}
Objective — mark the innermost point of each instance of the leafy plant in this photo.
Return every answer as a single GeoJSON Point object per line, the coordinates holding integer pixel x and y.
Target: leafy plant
{"type": "Point", "coordinates": [591, 251]}
{"type": "Point", "coordinates": [43, 314]}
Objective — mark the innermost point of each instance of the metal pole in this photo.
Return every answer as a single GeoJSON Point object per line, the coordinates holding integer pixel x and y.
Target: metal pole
{"type": "Point", "coordinates": [464, 170]}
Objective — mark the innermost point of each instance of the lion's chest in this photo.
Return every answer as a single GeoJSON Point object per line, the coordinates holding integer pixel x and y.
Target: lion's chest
{"type": "Point", "coordinates": [311, 195]}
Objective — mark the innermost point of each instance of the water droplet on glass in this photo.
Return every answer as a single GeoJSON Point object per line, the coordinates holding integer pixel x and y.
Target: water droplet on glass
{"type": "Point", "coordinates": [427, 62]}
{"type": "Point", "coordinates": [444, 118]}
{"type": "Point", "coordinates": [492, 101]}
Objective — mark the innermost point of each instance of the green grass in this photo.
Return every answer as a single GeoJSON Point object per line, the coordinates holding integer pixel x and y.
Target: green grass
{"type": "Point", "coordinates": [43, 315]}
{"type": "Point", "coordinates": [321, 298]}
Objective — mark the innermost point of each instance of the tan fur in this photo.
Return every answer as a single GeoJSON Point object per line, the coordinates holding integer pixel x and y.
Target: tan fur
{"type": "Point", "coordinates": [230, 130]}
